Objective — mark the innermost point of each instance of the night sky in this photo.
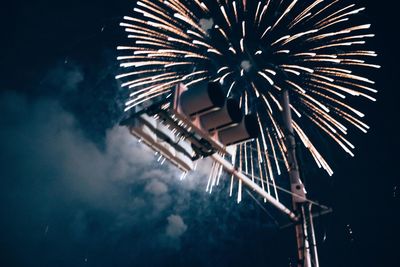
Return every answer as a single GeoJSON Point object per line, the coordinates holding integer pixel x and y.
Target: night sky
{"type": "Point", "coordinates": [77, 190]}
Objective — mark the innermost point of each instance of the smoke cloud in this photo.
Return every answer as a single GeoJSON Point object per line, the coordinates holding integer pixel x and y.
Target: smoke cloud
{"type": "Point", "coordinates": [246, 65]}
{"type": "Point", "coordinates": [59, 184]}
{"type": "Point", "coordinates": [68, 200]}
{"type": "Point", "coordinates": [206, 24]}
{"type": "Point", "coordinates": [176, 227]}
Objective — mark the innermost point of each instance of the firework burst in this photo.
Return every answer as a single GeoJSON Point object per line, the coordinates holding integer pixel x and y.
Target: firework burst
{"type": "Point", "coordinates": [256, 50]}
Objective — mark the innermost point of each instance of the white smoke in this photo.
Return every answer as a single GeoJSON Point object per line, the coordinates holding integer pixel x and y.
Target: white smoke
{"type": "Point", "coordinates": [176, 226]}
{"type": "Point", "coordinates": [246, 65]}
{"type": "Point", "coordinates": [156, 188]}
{"type": "Point", "coordinates": [206, 24]}
{"type": "Point", "coordinates": [58, 164]}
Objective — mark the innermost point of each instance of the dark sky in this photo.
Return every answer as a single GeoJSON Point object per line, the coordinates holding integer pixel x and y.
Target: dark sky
{"type": "Point", "coordinates": [75, 190]}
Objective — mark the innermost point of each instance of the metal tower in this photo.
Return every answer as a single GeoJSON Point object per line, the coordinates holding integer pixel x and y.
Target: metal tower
{"type": "Point", "coordinates": [200, 123]}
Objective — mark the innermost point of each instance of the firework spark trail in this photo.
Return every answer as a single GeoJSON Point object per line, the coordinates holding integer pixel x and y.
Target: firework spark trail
{"type": "Point", "coordinates": [256, 49]}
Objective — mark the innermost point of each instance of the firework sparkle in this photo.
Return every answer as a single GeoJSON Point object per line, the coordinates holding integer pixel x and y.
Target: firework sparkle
{"type": "Point", "coordinates": [314, 49]}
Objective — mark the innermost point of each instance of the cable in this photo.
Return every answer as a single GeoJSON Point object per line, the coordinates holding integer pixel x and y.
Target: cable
{"type": "Point", "coordinates": [263, 208]}
{"type": "Point", "coordinates": [291, 193]}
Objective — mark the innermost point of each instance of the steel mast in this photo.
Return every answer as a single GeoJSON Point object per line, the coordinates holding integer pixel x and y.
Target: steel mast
{"type": "Point", "coordinates": [304, 227]}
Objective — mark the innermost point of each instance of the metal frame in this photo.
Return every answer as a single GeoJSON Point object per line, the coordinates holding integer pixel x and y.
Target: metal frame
{"type": "Point", "coordinates": [302, 208]}
{"type": "Point", "coordinates": [229, 168]}
{"type": "Point", "coordinates": [168, 111]}
{"type": "Point", "coordinates": [305, 234]}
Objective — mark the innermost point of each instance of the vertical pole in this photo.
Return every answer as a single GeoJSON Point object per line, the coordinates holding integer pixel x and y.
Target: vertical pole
{"type": "Point", "coordinates": [313, 239]}
{"type": "Point", "coordinates": [306, 257]}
